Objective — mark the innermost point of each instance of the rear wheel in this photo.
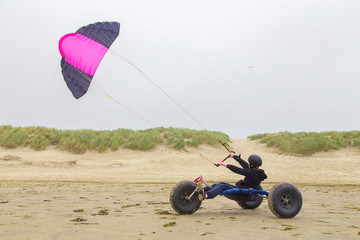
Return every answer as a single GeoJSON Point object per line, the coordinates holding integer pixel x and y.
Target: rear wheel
{"type": "Point", "coordinates": [180, 198]}
{"type": "Point", "coordinates": [285, 200]}
{"type": "Point", "coordinates": [250, 201]}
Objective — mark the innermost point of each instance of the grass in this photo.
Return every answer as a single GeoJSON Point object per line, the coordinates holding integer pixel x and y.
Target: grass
{"type": "Point", "coordinates": [80, 141]}
{"type": "Point", "coordinates": [308, 143]}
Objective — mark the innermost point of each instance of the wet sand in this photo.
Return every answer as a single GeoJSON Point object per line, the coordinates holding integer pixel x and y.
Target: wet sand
{"type": "Point", "coordinates": [68, 210]}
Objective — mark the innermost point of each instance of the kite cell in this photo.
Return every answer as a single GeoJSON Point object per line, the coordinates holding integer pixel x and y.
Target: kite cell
{"type": "Point", "coordinates": [82, 53]}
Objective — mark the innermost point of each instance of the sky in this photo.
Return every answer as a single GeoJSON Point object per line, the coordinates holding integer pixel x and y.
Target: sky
{"type": "Point", "coordinates": [237, 66]}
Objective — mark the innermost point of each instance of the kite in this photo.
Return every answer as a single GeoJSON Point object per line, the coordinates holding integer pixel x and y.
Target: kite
{"type": "Point", "coordinates": [82, 53]}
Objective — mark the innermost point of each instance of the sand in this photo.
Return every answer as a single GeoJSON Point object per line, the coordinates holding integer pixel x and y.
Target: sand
{"type": "Point", "coordinates": [125, 195]}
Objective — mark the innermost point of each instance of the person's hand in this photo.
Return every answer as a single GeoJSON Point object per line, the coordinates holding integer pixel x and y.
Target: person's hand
{"type": "Point", "coordinates": [231, 155]}
{"type": "Point", "coordinates": [222, 164]}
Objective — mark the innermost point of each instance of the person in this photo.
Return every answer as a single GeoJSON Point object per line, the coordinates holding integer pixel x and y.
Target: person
{"type": "Point", "coordinates": [253, 176]}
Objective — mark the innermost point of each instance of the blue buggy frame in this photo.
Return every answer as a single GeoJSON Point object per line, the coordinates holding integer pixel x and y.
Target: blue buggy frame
{"type": "Point", "coordinates": [245, 191]}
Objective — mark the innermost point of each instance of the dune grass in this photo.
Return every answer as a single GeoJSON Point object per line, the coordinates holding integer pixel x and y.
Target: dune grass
{"type": "Point", "coordinates": [307, 143]}
{"type": "Point", "coordinates": [80, 141]}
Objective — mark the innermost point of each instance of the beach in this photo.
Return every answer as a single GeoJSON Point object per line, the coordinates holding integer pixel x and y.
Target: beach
{"type": "Point", "coordinates": [53, 194]}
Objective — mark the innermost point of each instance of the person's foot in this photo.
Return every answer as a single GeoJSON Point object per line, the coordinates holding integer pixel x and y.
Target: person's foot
{"type": "Point", "coordinates": [201, 191]}
{"type": "Point", "coordinates": [202, 195]}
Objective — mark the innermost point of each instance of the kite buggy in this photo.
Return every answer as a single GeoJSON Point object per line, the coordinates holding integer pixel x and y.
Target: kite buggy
{"type": "Point", "coordinates": [284, 200]}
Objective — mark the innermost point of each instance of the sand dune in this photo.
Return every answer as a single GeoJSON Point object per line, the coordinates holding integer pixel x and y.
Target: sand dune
{"type": "Point", "coordinates": [168, 165]}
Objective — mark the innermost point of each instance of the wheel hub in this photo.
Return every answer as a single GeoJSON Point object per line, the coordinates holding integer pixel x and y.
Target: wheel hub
{"type": "Point", "coordinates": [286, 201]}
{"type": "Point", "coordinates": [185, 198]}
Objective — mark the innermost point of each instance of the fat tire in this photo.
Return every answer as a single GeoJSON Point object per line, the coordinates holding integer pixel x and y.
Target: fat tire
{"type": "Point", "coordinates": [178, 199]}
{"type": "Point", "coordinates": [251, 201]}
{"type": "Point", "coordinates": [285, 200]}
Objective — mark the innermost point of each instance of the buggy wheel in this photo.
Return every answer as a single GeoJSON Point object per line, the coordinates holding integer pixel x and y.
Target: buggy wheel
{"type": "Point", "coordinates": [250, 201]}
{"type": "Point", "coordinates": [180, 200]}
{"type": "Point", "coordinates": [285, 200]}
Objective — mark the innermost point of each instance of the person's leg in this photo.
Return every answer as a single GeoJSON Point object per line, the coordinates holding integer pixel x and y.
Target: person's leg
{"type": "Point", "coordinates": [206, 189]}
{"type": "Point", "coordinates": [202, 191]}
{"type": "Point", "coordinates": [218, 189]}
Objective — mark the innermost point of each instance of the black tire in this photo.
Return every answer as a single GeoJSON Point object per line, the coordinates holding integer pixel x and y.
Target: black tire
{"type": "Point", "coordinates": [250, 201]}
{"type": "Point", "coordinates": [179, 201]}
{"type": "Point", "coordinates": [285, 200]}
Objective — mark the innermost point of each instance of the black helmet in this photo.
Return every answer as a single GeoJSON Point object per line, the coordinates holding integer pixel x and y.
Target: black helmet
{"type": "Point", "coordinates": [255, 160]}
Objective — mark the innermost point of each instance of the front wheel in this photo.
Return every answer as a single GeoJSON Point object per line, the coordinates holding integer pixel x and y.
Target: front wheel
{"type": "Point", "coordinates": [180, 199]}
{"type": "Point", "coordinates": [285, 200]}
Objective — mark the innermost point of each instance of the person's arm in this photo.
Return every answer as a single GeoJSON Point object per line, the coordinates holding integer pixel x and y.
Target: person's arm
{"type": "Point", "coordinates": [242, 171]}
{"type": "Point", "coordinates": [241, 161]}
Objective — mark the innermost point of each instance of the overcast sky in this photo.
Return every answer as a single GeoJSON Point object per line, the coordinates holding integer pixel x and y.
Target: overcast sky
{"type": "Point", "coordinates": [240, 67]}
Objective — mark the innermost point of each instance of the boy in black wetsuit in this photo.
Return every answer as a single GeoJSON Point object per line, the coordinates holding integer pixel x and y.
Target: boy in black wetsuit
{"type": "Point", "coordinates": [253, 176]}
